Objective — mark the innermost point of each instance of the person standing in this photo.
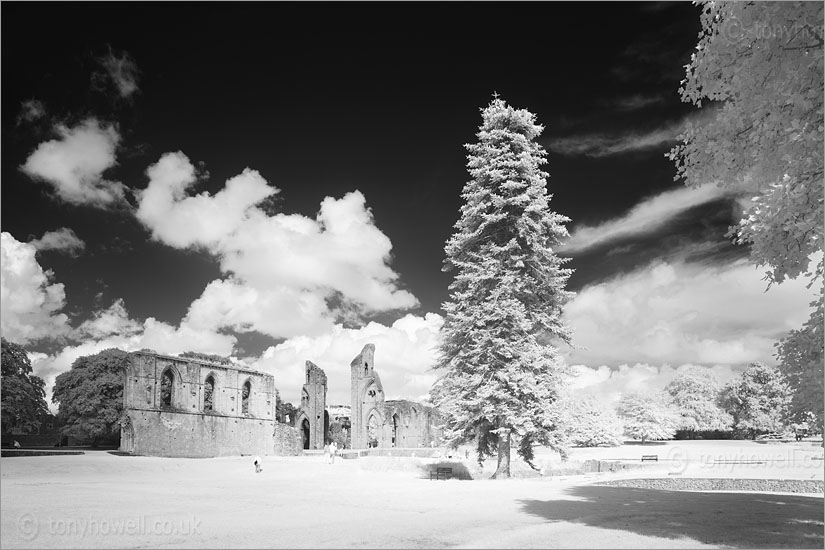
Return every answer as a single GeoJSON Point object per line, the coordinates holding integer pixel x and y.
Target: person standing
{"type": "Point", "coordinates": [333, 450]}
{"type": "Point", "coordinates": [258, 468]}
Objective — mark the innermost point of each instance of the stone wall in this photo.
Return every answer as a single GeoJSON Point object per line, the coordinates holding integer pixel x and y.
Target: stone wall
{"type": "Point", "coordinates": [313, 421]}
{"type": "Point", "coordinates": [177, 418]}
{"type": "Point", "coordinates": [175, 434]}
{"type": "Point", "coordinates": [287, 440]}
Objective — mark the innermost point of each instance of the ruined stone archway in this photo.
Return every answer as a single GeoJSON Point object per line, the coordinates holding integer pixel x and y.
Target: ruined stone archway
{"type": "Point", "coordinates": [305, 432]}
{"type": "Point", "coordinates": [373, 431]}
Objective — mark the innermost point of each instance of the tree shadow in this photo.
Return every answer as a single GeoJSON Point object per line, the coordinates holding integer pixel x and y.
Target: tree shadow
{"type": "Point", "coordinates": [460, 470]}
{"type": "Point", "coordinates": [741, 520]}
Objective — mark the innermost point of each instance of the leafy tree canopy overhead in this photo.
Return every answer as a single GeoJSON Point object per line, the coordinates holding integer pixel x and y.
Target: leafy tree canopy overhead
{"type": "Point", "coordinates": [760, 66]}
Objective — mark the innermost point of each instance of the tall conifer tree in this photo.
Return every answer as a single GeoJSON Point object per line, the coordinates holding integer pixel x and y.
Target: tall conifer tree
{"type": "Point", "coordinates": [502, 371]}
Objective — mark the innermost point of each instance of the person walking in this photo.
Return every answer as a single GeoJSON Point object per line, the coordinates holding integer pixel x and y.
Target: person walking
{"type": "Point", "coordinates": [258, 468]}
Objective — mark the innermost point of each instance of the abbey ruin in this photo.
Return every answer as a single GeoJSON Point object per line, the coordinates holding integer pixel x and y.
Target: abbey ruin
{"type": "Point", "coordinates": [186, 407]}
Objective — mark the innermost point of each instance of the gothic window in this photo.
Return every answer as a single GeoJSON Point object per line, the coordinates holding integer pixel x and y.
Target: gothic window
{"type": "Point", "coordinates": [245, 392]}
{"type": "Point", "coordinates": [208, 390]}
{"type": "Point", "coordinates": [167, 383]}
{"type": "Point", "coordinates": [372, 431]}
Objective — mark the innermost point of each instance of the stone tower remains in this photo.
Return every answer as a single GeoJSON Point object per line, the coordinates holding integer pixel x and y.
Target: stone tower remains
{"type": "Point", "coordinates": [367, 400]}
{"type": "Point", "coordinates": [313, 420]}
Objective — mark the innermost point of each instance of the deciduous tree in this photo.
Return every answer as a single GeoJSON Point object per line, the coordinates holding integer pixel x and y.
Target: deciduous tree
{"type": "Point", "coordinates": [90, 395]}
{"type": "Point", "coordinates": [502, 371]}
{"type": "Point", "coordinates": [648, 416]}
{"type": "Point", "coordinates": [758, 400]}
{"type": "Point", "coordinates": [23, 393]}
{"type": "Point", "coordinates": [759, 66]}
{"type": "Point", "coordinates": [590, 423]}
{"type": "Point", "coordinates": [695, 394]}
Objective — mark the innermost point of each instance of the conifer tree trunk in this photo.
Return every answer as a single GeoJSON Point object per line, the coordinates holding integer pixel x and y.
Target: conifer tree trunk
{"type": "Point", "coordinates": [503, 468]}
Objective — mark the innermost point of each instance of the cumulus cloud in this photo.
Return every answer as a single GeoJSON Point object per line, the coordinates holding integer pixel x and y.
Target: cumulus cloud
{"type": "Point", "coordinates": [676, 313]}
{"type": "Point", "coordinates": [608, 384]}
{"type": "Point", "coordinates": [404, 355]}
{"type": "Point", "coordinates": [122, 71]}
{"type": "Point", "coordinates": [30, 302]}
{"type": "Point", "coordinates": [62, 240]}
{"type": "Point", "coordinates": [74, 164]}
{"type": "Point", "coordinates": [113, 328]}
{"type": "Point", "coordinates": [284, 272]}
{"type": "Point", "coordinates": [646, 216]}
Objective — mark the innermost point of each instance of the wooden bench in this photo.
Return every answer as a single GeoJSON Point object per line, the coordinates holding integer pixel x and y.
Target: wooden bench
{"type": "Point", "coordinates": [441, 473]}
{"type": "Point", "coordinates": [650, 458]}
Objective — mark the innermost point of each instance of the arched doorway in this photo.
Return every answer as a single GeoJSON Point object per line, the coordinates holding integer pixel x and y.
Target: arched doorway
{"type": "Point", "coordinates": [305, 432]}
{"type": "Point", "coordinates": [372, 432]}
{"type": "Point", "coordinates": [127, 436]}
{"type": "Point", "coordinates": [327, 435]}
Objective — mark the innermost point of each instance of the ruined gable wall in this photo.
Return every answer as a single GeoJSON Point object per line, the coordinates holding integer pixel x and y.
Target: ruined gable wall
{"type": "Point", "coordinates": [184, 429]}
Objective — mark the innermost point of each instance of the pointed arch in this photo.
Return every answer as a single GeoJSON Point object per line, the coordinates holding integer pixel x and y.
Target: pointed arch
{"type": "Point", "coordinates": [169, 378]}
{"type": "Point", "coordinates": [246, 396]}
{"type": "Point", "coordinates": [209, 392]}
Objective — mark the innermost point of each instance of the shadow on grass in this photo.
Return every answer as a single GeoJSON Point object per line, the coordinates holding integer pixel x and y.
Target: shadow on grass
{"type": "Point", "coordinates": [753, 520]}
{"type": "Point", "coordinates": [460, 470]}
{"type": "Point", "coordinates": [646, 443]}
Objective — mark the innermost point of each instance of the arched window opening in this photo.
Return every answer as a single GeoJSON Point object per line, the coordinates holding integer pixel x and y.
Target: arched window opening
{"type": "Point", "coordinates": [245, 391]}
{"type": "Point", "coordinates": [208, 390]}
{"type": "Point", "coordinates": [167, 383]}
{"type": "Point", "coordinates": [395, 422]}
{"type": "Point", "coordinates": [372, 432]}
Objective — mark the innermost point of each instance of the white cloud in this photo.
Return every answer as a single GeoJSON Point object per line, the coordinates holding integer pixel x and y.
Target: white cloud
{"type": "Point", "coordinates": [122, 71]}
{"type": "Point", "coordinates": [610, 384]}
{"type": "Point", "coordinates": [646, 216]}
{"type": "Point", "coordinates": [63, 240]}
{"type": "Point", "coordinates": [113, 328]}
{"type": "Point", "coordinates": [74, 164]}
{"type": "Point", "coordinates": [684, 313]}
{"type": "Point", "coordinates": [202, 220]}
{"type": "Point", "coordinates": [30, 303]}
{"type": "Point", "coordinates": [284, 271]}
{"type": "Point", "coordinates": [605, 145]}
{"type": "Point", "coordinates": [404, 355]}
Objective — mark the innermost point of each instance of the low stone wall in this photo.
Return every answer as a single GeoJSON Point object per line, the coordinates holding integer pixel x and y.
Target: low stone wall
{"type": "Point", "coordinates": [185, 435]}
{"type": "Point", "coordinates": [287, 440]}
{"type": "Point", "coordinates": [31, 452]}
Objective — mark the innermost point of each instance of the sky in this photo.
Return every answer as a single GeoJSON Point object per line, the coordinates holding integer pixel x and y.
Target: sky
{"type": "Point", "coordinates": [276, 182]}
